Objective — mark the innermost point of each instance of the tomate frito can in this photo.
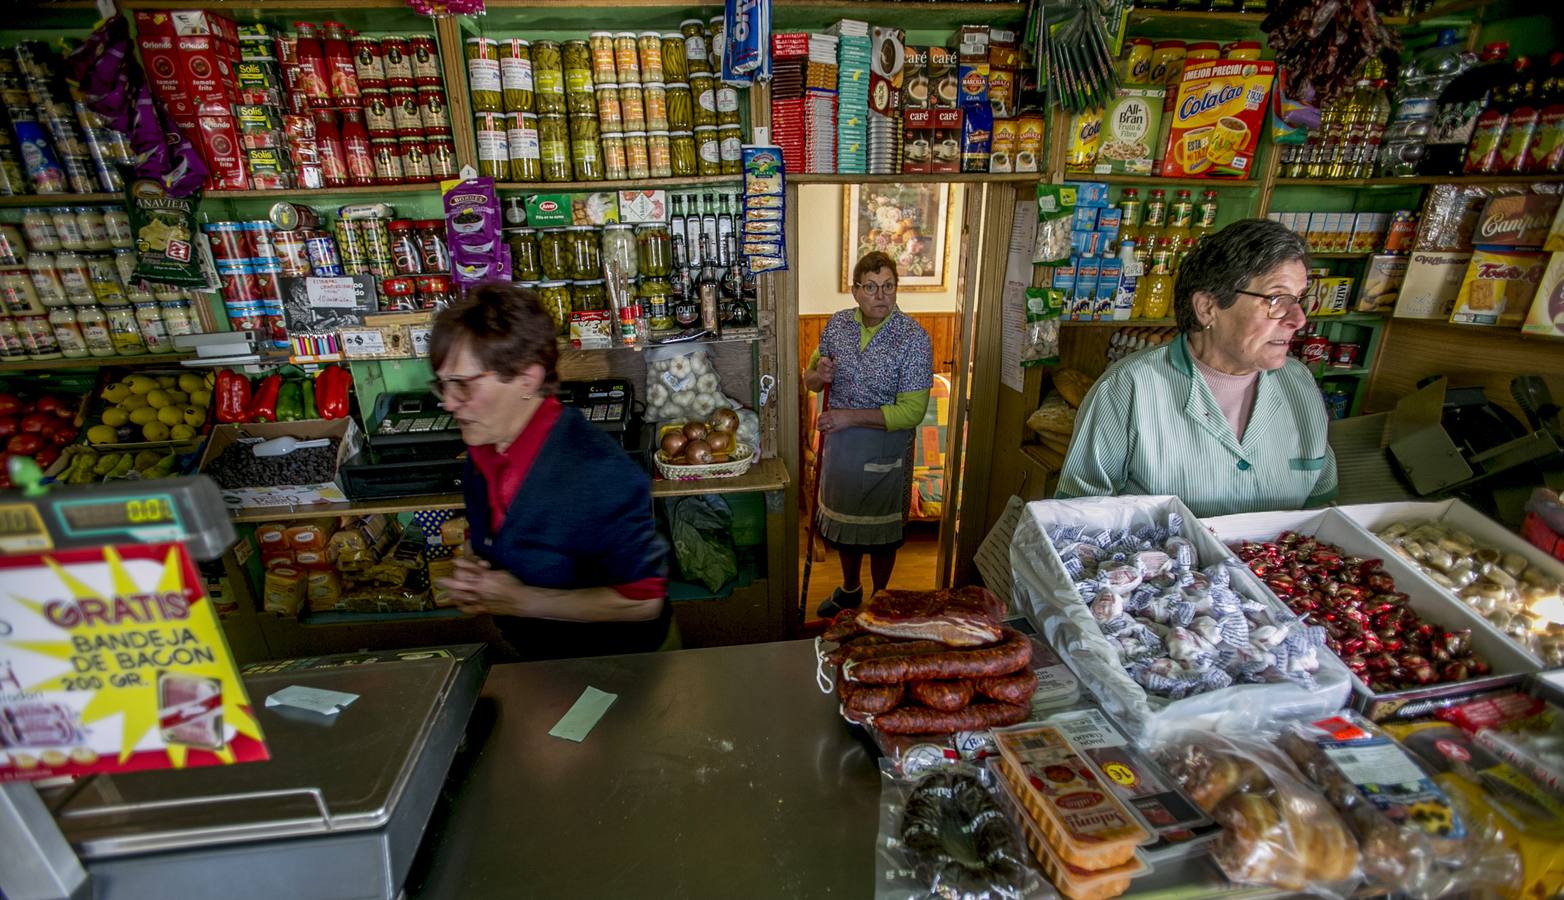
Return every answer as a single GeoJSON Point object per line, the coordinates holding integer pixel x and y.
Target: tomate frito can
{"type": "Point", "coordinates": [291, 252]}
{"type": "Point", "coordinates": [229, 240]}
{"type": "Point", "coordinates": [350, 247]}
{"type": "Point", "coordinates": [377, 246]}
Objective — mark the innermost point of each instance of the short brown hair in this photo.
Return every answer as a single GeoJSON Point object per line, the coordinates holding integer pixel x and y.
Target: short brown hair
{"type": "Point", "coordinates": [505, 326]}
{"type": "Point", "coordinates": [873, 261]}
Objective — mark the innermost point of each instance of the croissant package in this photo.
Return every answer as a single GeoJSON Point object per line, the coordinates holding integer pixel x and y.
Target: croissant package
{"type": "Point", "coordinates": [1415, 842]}
{"type": "Point", "coordinates": [1277, 830]}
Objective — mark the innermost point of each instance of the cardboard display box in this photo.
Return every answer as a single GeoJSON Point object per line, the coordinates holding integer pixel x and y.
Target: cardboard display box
{"type": "Point", "coordinates": [292, 494]}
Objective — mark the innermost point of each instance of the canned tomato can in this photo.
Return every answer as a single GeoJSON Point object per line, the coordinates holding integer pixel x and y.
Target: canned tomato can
{"type": "Point", "coordinates": [293, 217]}
{"type": "Point", "coordinates": [261, 239]}
{"type": "Point", "coordinates": [291, 252]}
{"type": "Point", "coordinates": [228, 240]}
{"type": "Point", "coordinates": [350, 247]}
{"type": "Point", "coordinates": [322, 250]}
{"type": "Point", "coordinates": [1346, 355]}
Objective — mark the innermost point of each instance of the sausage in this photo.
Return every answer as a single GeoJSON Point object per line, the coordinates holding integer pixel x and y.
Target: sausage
{"type": "Point", "coordinates": [975, 717]}
{"type": "Point", "coordinates": [1017, 688]}
{"type": "Point", "coordinates": [861, 649]}
{"type": "Point", "coordinates": [943, 695]}
{"type": "Point", "coordinates": [839, 653]}
{"type": "Point", "coordinates": [871, 698]}
{"type": "Point", "coordinates": [950, 803]}
{"type": "Point", "coordinates": [844, 627]}
{"type": "Point", "coordinates": [1009, 655]}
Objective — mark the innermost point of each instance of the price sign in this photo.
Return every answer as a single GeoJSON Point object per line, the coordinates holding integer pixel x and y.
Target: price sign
{"type": "Point", "coordinates": [420, 340]}
{"type": "Point", "coordinates": [332, 293]}
{"type": "Point", "coordinates": [112, 660]}
{"type": "Point", "coordinates": [366, 344]}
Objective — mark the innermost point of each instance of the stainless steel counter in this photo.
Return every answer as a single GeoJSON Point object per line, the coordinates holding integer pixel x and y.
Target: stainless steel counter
{"type": "Point", "coordinates": [717, 773]}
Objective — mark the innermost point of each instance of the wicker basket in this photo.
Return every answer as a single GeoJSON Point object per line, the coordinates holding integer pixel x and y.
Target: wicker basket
{"type": "Point", "coordinates": [744, 457]}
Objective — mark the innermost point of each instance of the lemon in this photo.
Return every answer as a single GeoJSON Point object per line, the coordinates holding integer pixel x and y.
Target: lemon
{"type": "Point", "coordinates": [167, 381]}
{"type": "Point", "coordinates": [158, 399]}
{"type": "Point", "coordinates": [190, 382]}
{"type": "Point", "coordinates": [141, 384]}
{"type": "Point", "coordinates": [101, 434]}
{"type": "Point", "coordinates": [115, 416]}
{"type": "Point", "coordinates": [155, 431]}
{"type": "Point", "coordinates": [134, 401]}
{"type": "Point", "coordinates": [201, 398]}
{"type": "Point", "coordinates": [176, 397]}
{"type": "Point", "coordinates": [194, 416]}
{"type": "Point", "coordinates": [146, 458]}
{"type": "Point", "coordinates": [117, 392]}
{"type": "Point", "coordinates": [171, 415]}
{"type": "Point", "coordinates": [181, 432]}
{"type": "Point", "coordinates": [143, 415]}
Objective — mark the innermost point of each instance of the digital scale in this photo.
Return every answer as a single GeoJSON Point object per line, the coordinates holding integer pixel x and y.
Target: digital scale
{"type": "Point", "coordinates": [338, 810]}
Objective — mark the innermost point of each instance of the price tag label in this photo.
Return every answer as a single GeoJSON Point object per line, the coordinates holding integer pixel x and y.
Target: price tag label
{"type": "Point", "coordinates": [363, 344]}
{"type": "Point", "coordinates": [331, 293]}
{"type": "Point", "coordinates": [420, 338]}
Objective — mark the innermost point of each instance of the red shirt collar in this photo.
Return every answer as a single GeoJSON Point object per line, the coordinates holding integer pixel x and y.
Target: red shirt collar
{"type": "Point", "coordinates": [504, 473]}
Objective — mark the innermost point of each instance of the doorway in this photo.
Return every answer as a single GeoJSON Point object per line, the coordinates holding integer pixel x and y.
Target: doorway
{"type": "Point", "coordinates": [919, 225]}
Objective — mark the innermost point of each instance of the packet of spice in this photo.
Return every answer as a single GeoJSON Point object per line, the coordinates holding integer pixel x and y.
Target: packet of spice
{"type": "Point", "coordinates": [164, 229]}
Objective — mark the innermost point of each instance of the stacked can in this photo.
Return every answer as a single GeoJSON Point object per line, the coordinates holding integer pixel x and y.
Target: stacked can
{"type": "Point", "coordinates": [248, 266]}
{"type": "Point", "coordinates": [55, 144]}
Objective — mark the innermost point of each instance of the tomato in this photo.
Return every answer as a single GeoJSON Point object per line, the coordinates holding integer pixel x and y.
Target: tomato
{"type": "Point", "coordinates": [65, 434]}
{"type": "Point", "coordinates": [33, 423]}
{"type": "Point", "coordinates": [9, 405]}
{"type": "Point", "coordinates": [24, 444]}
{"type": "Point", "coordinates": [46, 403]}
{"type": "Point", "coordinates": [47, 457]}
{"type": "Point", "coordinates": [8, 426]}
{"type": "Point", "coordinates": [50, 426]}
{"type": "Point", "coordinates": [65, 411]}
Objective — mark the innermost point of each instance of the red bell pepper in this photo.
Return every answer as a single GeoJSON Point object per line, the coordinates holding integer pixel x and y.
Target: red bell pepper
{"type": "Point", "coordinates": [263, 405]}
{"type": "Point", "coordinates": [232, 396]}
{"type": "Point", "coordinates": [331, 392]}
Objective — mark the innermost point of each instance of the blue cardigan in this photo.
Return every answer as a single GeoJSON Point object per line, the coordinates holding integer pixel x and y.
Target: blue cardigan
{"type": "Point", "coordinates": [582, 518]}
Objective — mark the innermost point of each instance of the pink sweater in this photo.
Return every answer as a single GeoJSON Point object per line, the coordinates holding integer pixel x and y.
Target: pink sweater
{"type": "Point", "coordinates": [1233, 393]}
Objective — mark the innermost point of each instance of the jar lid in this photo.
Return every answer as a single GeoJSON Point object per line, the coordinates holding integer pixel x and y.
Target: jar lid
{"type": "Point", "coordinates": [661, 86]}
{"type": "Point", "coordinates": [521, 230]}
{"type": "Point", "coordinates": [420, 37]}
{"type": "Point", "coordinates": [605, 86]}
{"type": "Point", "coordinates": [483, 40]}
{"type": "Point", "coordinates": [516, 42]}
{"type": "Point", "coordinates": [399, 224]}
{"type": "Point", "coordinates": [653, 133]}
{"type": "Point", "coordinates": [529, 285]}
{"type": "Point", "coordinates": [672, 36]}
{"type": "Point", "coordinates": [616, 135]}
{"type": "Point", "coordinates": [688, 134]}
{"type": "Point", "coordinates": [637, 134]}
{"type": "Point", "coordinates": [625, 34]}
{"type": "Point", "coordinates": [617, 226]}
{"type": "Point", "coordinates": [589, 281]}
{"type": "Point", "coordinates": [598, 34]}
{"type": "Point", "coordinates": [691, 22]}
{"type": "Point", "coordinates": [553, 284]}
{"type": "Point", "coordinates": [430, 223]}
{"type": "Point", "coordinates": [678, 84]}
{"type": "Point", "coordinates": [650, 34]}
{"type": "Point", "coordinates": [629, 85]}
{"type": "Point", "coordinates": [662, 225]}
{"type": "Point", "coordinates": [700, 128]}
{"type": "Point", "coordinates": [579, 227]}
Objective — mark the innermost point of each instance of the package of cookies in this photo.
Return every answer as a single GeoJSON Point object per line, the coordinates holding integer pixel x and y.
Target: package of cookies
{"type": "Point", "coordinates": [1085, 824]}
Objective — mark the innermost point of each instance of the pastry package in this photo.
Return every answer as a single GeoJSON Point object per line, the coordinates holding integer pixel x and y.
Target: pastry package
{"type": "Point", "coordinates": [1413, 839]}
{"type": "Point", "coordinates": [1277, 829]}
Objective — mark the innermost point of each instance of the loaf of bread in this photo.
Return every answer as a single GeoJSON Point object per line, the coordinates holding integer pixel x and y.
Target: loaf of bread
{"type": "Point", "coordinates": [1054, 416]}
{"type": "Point", "coordinates": [1072, 385]}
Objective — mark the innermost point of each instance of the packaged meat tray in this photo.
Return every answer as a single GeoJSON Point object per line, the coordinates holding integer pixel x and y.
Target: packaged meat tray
{"type": "Point", "coordinates": [1484, 648]}
{"type": "Point", "coordinates": [1224, 656]}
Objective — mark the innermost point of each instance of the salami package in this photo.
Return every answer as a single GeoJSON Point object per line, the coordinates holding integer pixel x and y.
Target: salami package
{"type": "Point", "coordinates": [472, 224]}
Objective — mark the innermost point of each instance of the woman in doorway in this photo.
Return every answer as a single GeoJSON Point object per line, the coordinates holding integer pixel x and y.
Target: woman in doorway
{"type": "Point", "coordinates": [565, 553]}
{"type": "Point", "coordinates": [875, 366]}
{"type": "Point", "coordinates": [1221, 417]}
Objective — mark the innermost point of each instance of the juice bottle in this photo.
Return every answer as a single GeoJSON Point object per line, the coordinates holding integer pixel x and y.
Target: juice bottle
{"type": "Point", "coordinates": [1157, 209]}
{"type": "Point", "coordinates": [1158, 286]}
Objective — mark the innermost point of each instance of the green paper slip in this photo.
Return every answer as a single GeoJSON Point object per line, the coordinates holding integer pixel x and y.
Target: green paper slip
{"type": "Point", "coordinates": [576, 724]}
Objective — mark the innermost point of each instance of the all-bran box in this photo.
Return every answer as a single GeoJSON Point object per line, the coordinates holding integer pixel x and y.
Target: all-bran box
{"type": "Point", "coordinates": [1216, 119]}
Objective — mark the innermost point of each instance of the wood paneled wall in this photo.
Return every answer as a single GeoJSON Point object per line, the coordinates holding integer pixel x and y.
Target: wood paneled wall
{"type": "Point", "coordinates": [940, 326]}
{"type": "Point", "coordinates": [1470, 355]}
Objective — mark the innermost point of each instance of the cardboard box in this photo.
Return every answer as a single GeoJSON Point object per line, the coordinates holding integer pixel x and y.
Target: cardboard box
{"type": "Point", "coordinates": [1108, 272]}
{"type": "Point", "coordinates": [388, 336]}
{"type": "Point", "coordinates": [1498, 286]}
{"type": "Point", "coordinates": [1547, 308]}
{"type": "Point", "coordinates": [1331, 296]}
{"type": "Point", "coordinates": [1087, 269]}
{"type": "Point", "coordinates": [1516, 220]}
{"type": "Point", "coordinates": [1090, 193]}
{"type": "Point", "coordinates": [1217, 118]}
{"type": "Point", "coordinates": [285, 495]}
{"type": "Point", "coordinates": [1368, 232]}
{"type": "Point", "coordinates": [944, 89]}
{"type": "Point", "coordinates": [1029, 144]}
{"type": "Point", "coordinates": [918, 141]}
{"type": "Point", "coordinates": [1432, 281]}
{"type": "Point", "coordinates": [1555, 239]}
{"type": "Point", "coordinates": [1130, 125]}
{"type": "Point", "coordinates": [1382, 281]}
{"type": "Point", "coordinates": [946, 142]}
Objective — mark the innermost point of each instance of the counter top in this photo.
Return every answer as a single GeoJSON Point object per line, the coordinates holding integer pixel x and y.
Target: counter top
{"type": "Point", "coordinates": [718, 772]}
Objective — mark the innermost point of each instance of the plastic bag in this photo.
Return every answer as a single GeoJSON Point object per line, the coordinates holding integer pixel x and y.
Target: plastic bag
{"type": "Point", "coordinates": [1047, 592]}
{"type": "Point", "coordinates": [1040, 344]}
{"type": "Point", "coordinates": [1413, 839]}
{"type": "Point", "coordinates": [681, 383]}
{"type": "Point", "coordinates": [1277, 829]}
{"type": "Point", "coordinates": [1055, 214]}
{"type": "Point", "coordinates": [164, 228]}
{"type": "Point", "coordinates": [702, 530]}
{"type": "Point", "coordinates": [943, 834]}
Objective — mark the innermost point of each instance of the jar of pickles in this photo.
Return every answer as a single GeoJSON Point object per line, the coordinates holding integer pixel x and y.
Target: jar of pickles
{"type": "Point", "coordinates": [483, 74]}
{"type": "Point", "coordinates": [548, 78]}
{"type": "Point", "coordinates": [588, 295]}
{"type": "Point", "coordinates": [708, 150]}
{"type": "Point", "coordinates": [654, 250]}
{"type": "Point", "coordinates": [493, 145]}
{"type": "Point", "coordinates": [516, 75]}
{"type": "Point", "coordinates": [579, 97]}
{"type": "Point", "coordinates": [637, 156]}
{"type": "Point", "coordinates": [654, 97]}
{"type": "Point", "coordinates": [586, 261]}
{"type": "Point", "coordinates": [681, 115]}
{"type": "Point", "coordinates": [674, 66]}
{"type": "Point", "coordinates": [521, 143]}
{"type": "Point", "coordinates": [620, 253]}
{"type": "Point", "coordinates": [608, 116]}
{"type": "Point", "coordinates": [554, 254]}
{"type": "Point", "coordinates": [703, 88]}
{"type": "Point", "coordinates": [602, 46]}
{"type": "Point", "coordinates": [525, 256]}
{"type": "Point", "coordinates": [615, 165]}
{"type": "Point", "coordinates": [555, 296]}
{"type": "Point", "coordinates": [554, 147]}
{"type": "Point", "coordinates": [681, 145]}
{"type": "Point", "coordinates": [650, 44]}
{"type": "Point", "coordinates": [659, 154]}
{"type": "Point", "coordinates": [586, 152]}
{"type": "Point", "coordinates": [656, 295]}
{"type": "Point", "coordinates": [632, 107]}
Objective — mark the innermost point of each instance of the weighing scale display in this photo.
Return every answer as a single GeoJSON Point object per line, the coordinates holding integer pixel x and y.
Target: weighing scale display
{"type": "Point", "coordinates": [188, 510]}
{"type": "Point", "coordinates": [81, 517]}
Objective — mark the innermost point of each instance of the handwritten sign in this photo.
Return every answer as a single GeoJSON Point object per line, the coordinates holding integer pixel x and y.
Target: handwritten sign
{"type": "Point", "coordinates": [112, 660]}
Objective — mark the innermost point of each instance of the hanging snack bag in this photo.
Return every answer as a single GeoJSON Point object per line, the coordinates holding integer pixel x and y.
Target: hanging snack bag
{"type": "Point", "coordinates": [1055, 212]}
{"type": "Point", "coordinates": [1043, 306]}
{"type": "Point", "coordinates": [164, 229]}
{"type": "Point", "coordinates": [472, 221]}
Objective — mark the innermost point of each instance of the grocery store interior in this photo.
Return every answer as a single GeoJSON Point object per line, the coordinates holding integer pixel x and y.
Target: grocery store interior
{"type": "Point", "coordinates": [1186, 376]}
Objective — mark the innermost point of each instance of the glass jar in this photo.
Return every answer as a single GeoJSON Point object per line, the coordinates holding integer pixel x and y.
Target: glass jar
{"type": "Point", "coordinates": [586, 260]}
{"type": "Point", "coordinates": [602, 46]}
{"type": "Point", "coordinates": [405, 256]}
{"type": "Point", "coordinates": [674, 66]}
{"type": "Point", "coordinates": [703, 89]}
{"type": "Point", "coordinates": [434, 255]}
{"type": "Point", "coordinates": [46, 280]}
{"type": "Point", "coordinates": [555, 296]}
{"type": "Point", "coordinates": [524, 254]}
{"type": "Point", "coordinates": [620, 252]}
{"type": "Point", "coordinates": [654, 250]}
{"type": "Point", "coordinates": [554, 256]}
{"type": "Point", "coordinates": [117, 221]}
{"type": "Point", "coordinates": [103, 275]}
{"type": "Point", "coordinates": [179, 318]}
{"type": "Point", "coordinates": [588, 295]}
{"type": "Point", "coordinates": [695, 49]}
{"type": "Point", "coordinates": [615, 165]}
{"type": "Point", "coordinates": [654, 97]}
{"type": "Point", "coordinates": [153, 332]}
{"type": "Point", "coordinates": [548, 78]}
{"type": "Point", "coordinates": [74, 277]}
{"type": "Point", "coordinates": [493, 145]}
{"type": "Point", "coordinates": [727, 104]}
{"type": "Point", "coordinates": [579, 97]}
{"type": "Point", "coordinates": [19, 294]}
{"type": "Point", "coordinates": [13, 248]}
{"type": "Point", "coordinates": [10, 341]}
{"type": "Point", "coordinates": [516, 75]}
{"type": "Point", "coordinates": [387, 155]}
{"type": "Point", "coordinates": [632, 107]}
{"type": "Point", "coordinates": [637, 157]}
{"type": "Point", "coordinates": [125, 331]}
{"type": "Point", "coordinates": [38, 337]}
{"type": "Point", "coordinates": [483, 74]}
{"type": "Point", "coordinates": [608, 114]}
{"type": "Point", "coordinates": [656, 295]}
{"type": "Point", "coordinates": [659, 154]}
{"type": "Point", "coordinates": [94, 230]}
{"type": "Point", "coordinates": [730, 140]}
{"type": "Point", "coordinates": [95, 330]}
{"type": "Point", "coordinates": [681, 152]}
{"type": "Point", "coordinates": [67, 334]}
{"type": "Point", "coordinates": [681, 112]}
{"type": "Point", "coordinates": [69, 230]}
{"type": "Point", "coordinates": [554, 147]}
{"type": "Point", "coordinates": [708, 150]}
{"type": "Point", "coordinates": [650, 45]}
{"type": "Point", "coordinates": [38, 226]}
{"type": "Point", "coordinates": [521, 141]}
{"type": "Point", "coordinates": [586, 151]}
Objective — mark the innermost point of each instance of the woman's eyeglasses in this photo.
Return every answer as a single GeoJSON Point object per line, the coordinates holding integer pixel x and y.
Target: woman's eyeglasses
{"type": "Point", "coordinates": [877, 290]}
{"type": "Point", "coordinates": [1280, 306]}
{"type": "Point", "coordinates": [457, 388]}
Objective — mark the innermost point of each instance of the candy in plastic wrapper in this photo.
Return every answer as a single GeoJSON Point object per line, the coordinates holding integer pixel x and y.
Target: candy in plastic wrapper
{"type": "Point", "coordinates": [1055, 214]}
{"type": "Point", "coordinates": [1040, 344]}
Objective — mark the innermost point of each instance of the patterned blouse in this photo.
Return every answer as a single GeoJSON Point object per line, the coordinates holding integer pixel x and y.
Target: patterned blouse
{"type": "Point", "coordinates": [898, 359]}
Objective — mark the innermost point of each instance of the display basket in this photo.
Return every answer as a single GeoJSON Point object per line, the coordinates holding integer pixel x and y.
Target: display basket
{"type": "Point", "coordinates": [743, 457]}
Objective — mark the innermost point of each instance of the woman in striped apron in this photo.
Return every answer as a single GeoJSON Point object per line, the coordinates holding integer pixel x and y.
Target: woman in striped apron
{"type": "Point", "coordinates": [880, 365]}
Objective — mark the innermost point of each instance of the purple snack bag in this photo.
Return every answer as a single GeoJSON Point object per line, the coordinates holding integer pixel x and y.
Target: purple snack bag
{"type": "Point", "coordinates": [472, 225]}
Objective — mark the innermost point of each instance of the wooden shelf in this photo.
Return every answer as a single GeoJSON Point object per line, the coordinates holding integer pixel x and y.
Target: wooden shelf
{"type": "Point", "coordinates": [1120, 323]}
{"type": "Point", "coordinates": [1437, 12]}
{"type": "Point", "coordinates": [766, 475]}
{"type": "Point", "coordinates": [93, 362]}
{"type": "Point", "coordinates": [1157, 180]}
{"type": "Point", "coordinates": [965, 177]}
{"type": "Point", "coordinates": [565, 347]}
{"type": "Point", "coordinates": [1313, 255]}
{"type": "Point", "coordinates": [1417, 181]}
{"type": "Point", "coordinates": [1485, 330]}
{"type": "Point", "coordinates": [1329, 372]}
{"type": "Point", "coordinates": [544, 187]}
{"type": "Point", "coordinates": [304, 195]}
{"type": "Point", "coordinates": [58, 199]}
{"type": "Point", "coordinates": [1041, 456]}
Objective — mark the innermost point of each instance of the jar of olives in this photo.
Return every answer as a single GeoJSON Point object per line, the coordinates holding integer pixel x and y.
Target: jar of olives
{"type": "Point", "coordinates": [681, 147]}
{"type": "Point", "coordinates": [620, 253]}
{"type": "Point", "coordinates": [654, 250]}
{"type": "Point", "coordinates": [586, 261]}
{"type": "Point", "coordinates": [554, 258]}
{"type": "Point", "coordinates": [554, 147]}
{"type": "Point", "coordinates": [525, 256]}
{"type": "Point", "coordinates": [708, 150]}
{"type": "Point", "coordinates": [548, 77]}
{"type": "Point", "coordinates": [588, 295]}
{"type": "Point", "coordinates": [556, 299]}
{"type": "Point", "coordinates": [656, 295]}
{"type": "Point", "coordinates": [703, 88]}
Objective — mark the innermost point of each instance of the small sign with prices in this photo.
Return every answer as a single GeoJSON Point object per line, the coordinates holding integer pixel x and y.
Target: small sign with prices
{"type": "Point", "coordinates": [112, 660]}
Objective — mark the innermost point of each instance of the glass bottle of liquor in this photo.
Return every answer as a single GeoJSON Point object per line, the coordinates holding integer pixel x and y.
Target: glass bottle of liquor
{"type": "Point", "coordinates": [1547, 147]}
{"type": "Point", "coordinates": [708, 287]}
{"type": "Point", "coordinates": [725, 232]}
{"type": "Point", "coordinates": [1482, 154]}
{"type": "Point", "coordinates": [1459, 106]}
{"type": "Point", "coordinates": [1521, 127]}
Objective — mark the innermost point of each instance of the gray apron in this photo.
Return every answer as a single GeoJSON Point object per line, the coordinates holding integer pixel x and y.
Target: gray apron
{"type": "Point", "coordinates": [865, 487]}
